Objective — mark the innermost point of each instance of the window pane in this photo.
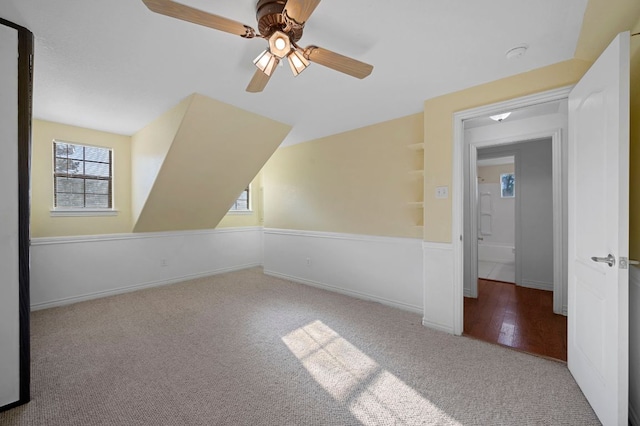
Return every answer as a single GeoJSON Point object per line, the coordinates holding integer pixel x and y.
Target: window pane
{"type": "Point", "coordinates": [242, 205]}
{"type": "Point", "coordinates": [96, 154]}
{"type": "Point", "coordinates": [95, 186]}
{"type": "Point", "coordinates": [97, 201]}
{"type": "Point", "coordinates": [61, 165]}
{"type": "Point", "coordinates": [69, 185]}
{"type": "Point", "coordinates": [76, 165]}
{"type": "Point", "coordinates": [507, 185]}
{"type": "Point", "coordinates": [70, 200]}
{"type": "Point", "coordinates": [96, 169]}
{"type": "Point", "coordinates": [75, 152]}
{"type": "Point", "coordinates": [61, 150]}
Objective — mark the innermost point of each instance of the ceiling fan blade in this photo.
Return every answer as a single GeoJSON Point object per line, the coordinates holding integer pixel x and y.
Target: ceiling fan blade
{"type": "Point", "coordinates": [300, 10]}
{"type": "Point", "coordinates": [258, 82]}
{"type": "Point", "coordinates": [337, 62]}
{"type": "Point", "coordinates": [196, 16]}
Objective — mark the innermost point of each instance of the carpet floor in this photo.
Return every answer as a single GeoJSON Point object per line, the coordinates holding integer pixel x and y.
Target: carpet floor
{"type": "Point", "coordinates": [247, 349]}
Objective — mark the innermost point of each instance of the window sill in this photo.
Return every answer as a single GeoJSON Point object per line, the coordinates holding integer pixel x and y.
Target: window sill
{"type": "Point", "coordinates": [82, 212]}
{"type": "Point", "coordinates": [240, 212]}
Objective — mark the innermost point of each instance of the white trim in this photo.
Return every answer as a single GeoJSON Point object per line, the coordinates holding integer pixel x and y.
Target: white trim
{"type": "Point", "coordinates": [357, 294]}
{"type": "Point", "coordinates": [60, 212]}
{"type": "Point", "coordinates": [135, 287]}
{"type": "Point", "coordinates": [388, 270]}
{"type": "Point", "coordinates": [136, 236]}
{"type": "Point", "coordinates": [340, 236]}
{"type": "Point", "coordinates": [538, 285]}
{"type": "Point", "coordinates": [437, 246]}
{"type": "Point", "coordinates": [428, 249]}
{"type": "Point", "coordinates": [240, 212]}
{"type": "Point", "coordinates": [439, 327]}
{"type": "Point", "coordinates": [458, 178]}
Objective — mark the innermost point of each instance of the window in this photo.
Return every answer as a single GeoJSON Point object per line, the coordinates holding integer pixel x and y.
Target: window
{"type": "Point", "coordinates": [242, 204]}
{"type": "Point", "coordinates": [82, 176]}
{"type": "Point", "coordinates": [507, 185]}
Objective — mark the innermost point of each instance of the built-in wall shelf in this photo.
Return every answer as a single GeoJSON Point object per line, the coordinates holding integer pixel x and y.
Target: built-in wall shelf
{"type": "Point", "coordinates": [417, 185]}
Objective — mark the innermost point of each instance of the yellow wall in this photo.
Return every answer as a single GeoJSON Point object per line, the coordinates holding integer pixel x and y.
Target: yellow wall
{"type": "Point", "coordinates": [438, 131]}
{"type": "Point", "coordinates": [149, 148]}
{"type": "Point", "coordinates": [42, 224]}
{"type": "Point", "coordinates": [216, 151]}
{"type": "Point", "coordinates": [491, 174]}
{"type": "Point", "coordinates": [354, 182]}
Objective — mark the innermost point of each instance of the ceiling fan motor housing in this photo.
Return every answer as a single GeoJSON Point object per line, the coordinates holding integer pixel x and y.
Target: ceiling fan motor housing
{"type": "Point", "coordinates": [270, 19]}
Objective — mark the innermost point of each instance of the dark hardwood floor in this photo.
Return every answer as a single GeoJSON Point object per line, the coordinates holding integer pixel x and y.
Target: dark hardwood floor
{"type": "Point", "coordinates": [518, 317]}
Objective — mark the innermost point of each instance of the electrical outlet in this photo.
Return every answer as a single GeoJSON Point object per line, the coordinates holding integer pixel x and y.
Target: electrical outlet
{"type": "Point", "coordinates": [308, 261]}
{"type": "Point", "coordinates": [442, 192]}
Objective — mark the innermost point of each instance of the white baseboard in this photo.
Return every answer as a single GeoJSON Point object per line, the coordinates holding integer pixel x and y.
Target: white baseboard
{"type": "Point", "coordinates": [538, 285]}
{"type": "Point", "coordinates": [356, 294]}
{"type": "Point", "coordinates": [385, 269]}
{"type": "Point", "coordinates": [136, 287]}
{"type": "Point", "coordinates": [67, 270]}
{"type": "Point", "coordinates": [436, 326]}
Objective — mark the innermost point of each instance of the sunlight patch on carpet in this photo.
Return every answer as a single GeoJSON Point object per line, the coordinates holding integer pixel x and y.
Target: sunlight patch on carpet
{"type": "Point", "coordinates": [372, 394]}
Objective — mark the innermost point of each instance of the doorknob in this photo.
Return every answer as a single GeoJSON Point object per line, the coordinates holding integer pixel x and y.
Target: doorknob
{"type": "Point", "coordinates": [480, 238]}
{"type": "Point", "coordinates": [609, 260]}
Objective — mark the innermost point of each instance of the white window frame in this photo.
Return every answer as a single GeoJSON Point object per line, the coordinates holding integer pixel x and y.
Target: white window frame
{"type": "Point", "coordinates": [249, 210]}
{"type": "Point", "coordinates": [56, 211]}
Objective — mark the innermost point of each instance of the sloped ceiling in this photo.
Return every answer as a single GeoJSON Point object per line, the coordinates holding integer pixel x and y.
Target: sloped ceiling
{"type": "Point", "coordinates": [215, 150]}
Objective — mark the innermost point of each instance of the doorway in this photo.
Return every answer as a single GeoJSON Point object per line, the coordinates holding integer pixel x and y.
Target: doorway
{"type": "Point", "coordinates": [513, 215]}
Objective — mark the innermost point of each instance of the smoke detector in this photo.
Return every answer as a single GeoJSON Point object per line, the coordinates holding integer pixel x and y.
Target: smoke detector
{"type": "Point", "coordinates": [516, 52]}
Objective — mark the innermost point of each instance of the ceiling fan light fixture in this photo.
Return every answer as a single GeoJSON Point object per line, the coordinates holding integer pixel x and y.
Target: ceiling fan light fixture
{"type": "Point", "coordinates": [500, 117]}
{"type": "Point", "coordinates": [279, 44]}
{"type": "Point", "coordinates": [297, 62]}
{"type": "Point", "coordinates": [266, 62]}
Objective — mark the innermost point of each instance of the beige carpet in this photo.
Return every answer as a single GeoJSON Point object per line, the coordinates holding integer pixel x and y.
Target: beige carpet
{"type": "Point", "coordinates": [247, 349]}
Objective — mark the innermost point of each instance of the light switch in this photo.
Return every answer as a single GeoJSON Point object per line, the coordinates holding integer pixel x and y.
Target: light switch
{"type": "Point", "coordinates": [442, 192]}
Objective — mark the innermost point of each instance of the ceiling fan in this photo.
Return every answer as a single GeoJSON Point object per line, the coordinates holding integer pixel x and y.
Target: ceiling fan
{"type": "Point", "coordinates": [281, 22]}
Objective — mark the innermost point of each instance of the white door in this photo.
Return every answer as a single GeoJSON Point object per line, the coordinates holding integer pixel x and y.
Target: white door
{"type": "Point", "coordinates": [9, 223]}
{"type": "Point", "coordinates": [598, 334]}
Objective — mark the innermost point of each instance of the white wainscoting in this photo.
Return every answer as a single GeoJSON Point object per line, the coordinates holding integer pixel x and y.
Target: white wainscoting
{"type": "Point", "coordinates": [71, 269]}
{"type": "Point", "coordinates": [386, 270]}
{"type": "Point", "coordinates": [438, 286]}
{"type": "Point", "coordinates": [634, 345]}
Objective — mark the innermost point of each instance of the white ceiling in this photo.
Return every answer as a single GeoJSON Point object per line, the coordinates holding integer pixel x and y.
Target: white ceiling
{"type": "Point", "coordinates": [114, 65]}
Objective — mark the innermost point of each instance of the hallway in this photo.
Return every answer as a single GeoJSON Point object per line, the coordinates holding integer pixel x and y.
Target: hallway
{"type": "Point", "coordinates": [517, 317]}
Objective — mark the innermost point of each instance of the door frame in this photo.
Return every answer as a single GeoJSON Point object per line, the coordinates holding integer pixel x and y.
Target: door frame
{"type": "Point", "coordinates": [558, 226]}
{"type": "Point", "coordinates": [457, 236]}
